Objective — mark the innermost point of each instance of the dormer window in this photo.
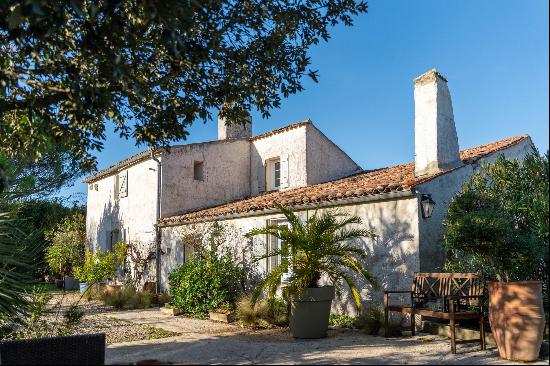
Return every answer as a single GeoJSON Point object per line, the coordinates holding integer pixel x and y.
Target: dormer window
{"type": "Point", "coordinates": [273, 174]}
{"type": "Point", "coordinates": [276, 174]}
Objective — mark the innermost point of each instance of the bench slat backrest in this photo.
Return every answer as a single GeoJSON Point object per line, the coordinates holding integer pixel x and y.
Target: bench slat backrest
{"type": "Point", "coordinates": [439, 285]}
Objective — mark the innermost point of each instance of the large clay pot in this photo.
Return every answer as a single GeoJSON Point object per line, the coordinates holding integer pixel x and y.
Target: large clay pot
{"type": "Point", "coordinates": [516, 316]}
{"type": "Point", "coordinates": [111, 289]}
{"type": "Point", "coordinates": [310, 311]}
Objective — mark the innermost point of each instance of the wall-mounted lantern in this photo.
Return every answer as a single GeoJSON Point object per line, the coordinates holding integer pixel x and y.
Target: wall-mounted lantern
{"type": "Point", "coordinates": [427, 205]}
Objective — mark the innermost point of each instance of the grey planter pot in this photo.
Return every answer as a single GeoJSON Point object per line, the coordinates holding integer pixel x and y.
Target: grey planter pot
{"type": "Point", "coordinates": [310, 311]}
{"type": "Point", "coordinates": [71, 284]}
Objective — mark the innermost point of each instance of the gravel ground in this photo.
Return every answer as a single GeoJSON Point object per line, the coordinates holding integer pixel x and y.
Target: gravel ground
{"type": "Point", "coordinates": [97, 319]}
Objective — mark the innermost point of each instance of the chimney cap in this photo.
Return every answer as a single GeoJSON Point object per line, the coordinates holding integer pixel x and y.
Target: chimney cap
{"type": "Point", "coordinates": [429, 77]}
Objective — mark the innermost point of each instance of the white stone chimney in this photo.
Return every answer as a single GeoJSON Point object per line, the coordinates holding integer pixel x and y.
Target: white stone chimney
{"type": "Point", "coordinates": [234, 130]}
{"type": "Point", "coordinates": [435, 139]}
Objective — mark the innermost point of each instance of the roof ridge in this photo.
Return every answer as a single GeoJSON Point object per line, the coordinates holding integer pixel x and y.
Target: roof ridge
{"type": "Point", "coordinates": [282, 129]}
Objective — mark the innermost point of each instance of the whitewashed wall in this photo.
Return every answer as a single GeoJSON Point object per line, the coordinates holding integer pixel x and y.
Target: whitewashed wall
{"type": "Point", "coordinates": [134, 214]}
{"type": "Point", "coordinates": [393, 255]}
{"type": "Point", "coordinates": [226, 165]}
{"type": "Point", "coordinates": [325, 160]}
{"type": "Point", "coordinates": [443, 189]}
{"type": "Point", "coordinates": [291, 143]}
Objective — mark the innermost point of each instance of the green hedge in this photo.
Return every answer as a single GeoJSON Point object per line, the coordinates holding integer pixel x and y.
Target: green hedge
{"type": "Point", "coordinates": [204, 284]}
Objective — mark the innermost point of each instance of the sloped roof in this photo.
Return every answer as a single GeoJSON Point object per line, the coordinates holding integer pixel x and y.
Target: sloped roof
{"type": "Point", "coordinates": [367, 183]}
{"type": "Point", "coordinates": [146, 154]}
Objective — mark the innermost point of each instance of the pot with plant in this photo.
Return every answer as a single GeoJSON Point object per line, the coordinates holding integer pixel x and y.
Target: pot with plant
{"type": "Point", "coordinates": [100, 266]}
{"type": "Point", "coordinates": [317, 257]}
{"type": "Point", "coordinates": [498, 226]}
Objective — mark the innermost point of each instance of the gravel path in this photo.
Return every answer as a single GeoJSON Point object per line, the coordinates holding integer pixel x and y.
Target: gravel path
{"type": "Point", "coordinates": [206, 342]}
{"type": "Point", "coordinates": [98, 318]}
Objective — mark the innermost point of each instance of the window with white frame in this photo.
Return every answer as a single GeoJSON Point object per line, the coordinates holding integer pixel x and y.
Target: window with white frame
{"type": "Point", "coordinates": [273, 176]}
{"type": "Point", "coordinates": [273, 244]}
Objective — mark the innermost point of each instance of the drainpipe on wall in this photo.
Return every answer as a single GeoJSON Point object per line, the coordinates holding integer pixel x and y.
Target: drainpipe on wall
{"type": "Point", "coordinates": [157, 217]}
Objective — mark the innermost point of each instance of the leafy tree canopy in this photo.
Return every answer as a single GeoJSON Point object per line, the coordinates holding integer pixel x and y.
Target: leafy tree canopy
{"type": "Point", "coordinates": [498, 224]}
{"type": "Point", "coordinates": [24, 178]}
{"type": "Point", "coordinates": [153, 68]}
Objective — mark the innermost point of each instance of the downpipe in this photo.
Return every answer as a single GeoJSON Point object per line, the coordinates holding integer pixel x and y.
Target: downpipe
{"type": "Point", "coordinates": [157, 228]}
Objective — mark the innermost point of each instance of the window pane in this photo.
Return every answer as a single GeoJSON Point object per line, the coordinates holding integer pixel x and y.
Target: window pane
{"type": "Point", "coordinates": [277, 174]}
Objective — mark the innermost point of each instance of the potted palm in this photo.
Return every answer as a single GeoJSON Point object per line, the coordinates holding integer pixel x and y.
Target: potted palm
{"type": "Point", "coordinates": [319, 257]}
{"type": "Point", "coordinates": [498, 225]}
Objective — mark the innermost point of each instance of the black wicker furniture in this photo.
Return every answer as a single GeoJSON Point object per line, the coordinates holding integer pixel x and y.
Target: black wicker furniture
{"type": "Point", "coordinates": [85, 349]}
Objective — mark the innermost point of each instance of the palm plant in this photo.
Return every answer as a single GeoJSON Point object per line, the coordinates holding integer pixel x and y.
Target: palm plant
{"type": "Point", "coordinates": [320, 245]}
{"type": "Point", "coordinates": [15, 271]}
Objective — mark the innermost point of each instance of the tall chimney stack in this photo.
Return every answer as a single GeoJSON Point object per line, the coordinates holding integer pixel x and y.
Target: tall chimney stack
{"type": "Point", "coordinates": [234, 130]}
{"type": "Point", "coordinates": [435, 139]}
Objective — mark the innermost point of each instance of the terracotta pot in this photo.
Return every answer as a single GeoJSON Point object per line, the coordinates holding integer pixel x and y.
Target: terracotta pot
{"type": "Point", "coordinates": [110, 289]}
{"type": "Point", "coordinates": [516, 316]}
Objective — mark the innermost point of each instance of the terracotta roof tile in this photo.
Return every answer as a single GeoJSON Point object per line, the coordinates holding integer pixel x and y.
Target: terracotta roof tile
{"type": "Point", "coordinates": [367, 183]}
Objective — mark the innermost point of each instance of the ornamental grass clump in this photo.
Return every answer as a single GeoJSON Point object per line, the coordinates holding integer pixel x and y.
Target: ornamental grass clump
{"type": "Point", "coordinates": [321, 245]}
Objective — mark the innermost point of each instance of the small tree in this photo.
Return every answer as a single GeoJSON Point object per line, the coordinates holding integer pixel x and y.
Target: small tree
{"type": "Point", "coordinates": [67, 247]}
{"type": "Point", "coordinates": [100, 266]}
{"type": "Point", "coordinates": [319, 245]}
{"type": "Point", "coordinates": [498, 223]}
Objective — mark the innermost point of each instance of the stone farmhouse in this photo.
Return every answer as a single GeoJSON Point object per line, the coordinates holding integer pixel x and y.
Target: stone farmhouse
{"type": "Point", "coordinates": [160, 198]}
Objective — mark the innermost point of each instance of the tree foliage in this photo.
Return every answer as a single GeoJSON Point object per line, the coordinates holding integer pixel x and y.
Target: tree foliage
{"type": "Point", "coordinates": [152, 68]}
{"type": "Point", "coordinates": [498, 223]}
{"type": "Point", "coordinates": [320, 245]}
{"type": "Point", "coordinates": [101, 265]}
{"type": "Point", "coordinates": [67, 245]}
{"type": "Point", "coordinates": [37, 217]}
{"type": "Point", "coordinates": [25, 178]}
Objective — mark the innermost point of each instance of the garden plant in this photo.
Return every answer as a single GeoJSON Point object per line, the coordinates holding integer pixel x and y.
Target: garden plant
{"type": "Point", "coordinates": [320, 246]}
{"type": "Point", "coordinates": [498, 226]}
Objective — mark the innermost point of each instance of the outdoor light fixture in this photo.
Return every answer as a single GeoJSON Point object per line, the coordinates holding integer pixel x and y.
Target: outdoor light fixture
{"type": "Point", "coordinates": [427, 205]}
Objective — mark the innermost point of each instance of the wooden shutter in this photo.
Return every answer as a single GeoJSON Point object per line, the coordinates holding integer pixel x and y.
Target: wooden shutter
{"type": "Point", "coordinates": [261, 177]}
{"type": "Point", "coordinates": [284, 171]}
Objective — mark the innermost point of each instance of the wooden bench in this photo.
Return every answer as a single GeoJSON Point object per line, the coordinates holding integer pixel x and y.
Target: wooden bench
{"type": "Point", "coordinates": [451, 296]}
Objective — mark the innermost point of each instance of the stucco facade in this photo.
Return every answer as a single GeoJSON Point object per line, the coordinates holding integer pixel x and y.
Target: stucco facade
{"type": "Point", "coordinates": [393, 254]}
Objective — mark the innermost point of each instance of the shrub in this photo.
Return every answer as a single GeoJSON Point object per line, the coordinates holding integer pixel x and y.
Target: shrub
{"type": "Point", "coordinates": [372, 320]}
{"type": "Point", "coordinates": [100, 266]}
{"type": "Point", "coordinates": [498, 223]}
{"type": "Point", "coordinates": [67, 247]}
{"type": "Point", "coordinates": [119, 298]}
{"type": "Point", "coordinates": [163, 298]}
{"type": "Point", "coordinates": [343, 321]}
{"type": "Point", "coordinates": [140, 300]}
{"type": "Point", "coordinates": [205, 283]}
{"type": "Point", "coordinates": [264, 313]}
{"type": "Point", "coordinates": [93, 292]}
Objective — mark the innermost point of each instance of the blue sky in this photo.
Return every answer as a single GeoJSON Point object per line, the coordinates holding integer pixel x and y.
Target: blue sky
{"type": "Point", "coordinates": [494, 54]}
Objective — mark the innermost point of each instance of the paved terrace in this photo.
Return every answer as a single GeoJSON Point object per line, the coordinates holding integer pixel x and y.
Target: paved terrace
{"type": "Point", "coordinates": [206, 342]}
